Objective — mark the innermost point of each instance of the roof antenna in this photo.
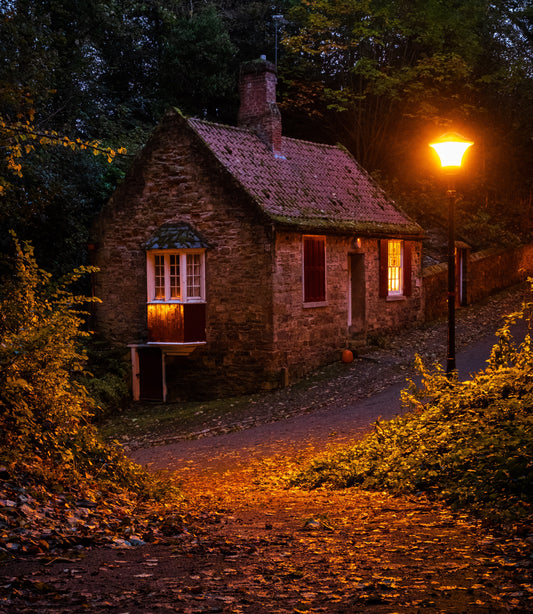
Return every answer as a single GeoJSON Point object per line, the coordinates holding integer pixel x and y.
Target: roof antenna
{"type": "Point", "coordinates": [278, 20]}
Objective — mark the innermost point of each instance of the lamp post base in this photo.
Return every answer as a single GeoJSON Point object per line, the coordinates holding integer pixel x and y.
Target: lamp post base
{"type": "Point", "coordinates": [450, 366]}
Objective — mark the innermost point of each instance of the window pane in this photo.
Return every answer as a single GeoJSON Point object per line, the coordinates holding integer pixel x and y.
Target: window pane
{"type": "Point", "coordinates": [194, 269]}
{"type": "Point", "coordinates": [159, 277]}
{"type": "Point", "coordinates": [175, 291]}
{"type": "Point", "coordinates": [395, 267]}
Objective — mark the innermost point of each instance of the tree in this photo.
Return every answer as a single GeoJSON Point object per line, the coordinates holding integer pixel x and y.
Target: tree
{"type": "Point", "coordinates": [89, 69]}
{"type": "Point", "coordinates": [384, 77]}
{"type": "Point", "coordinates": [47, 202]}
{"type": "Point", "coordinates": [390, 69]}
{"type": "Point", "coordinates": [195, 64]}
{"type": "Point", "coordinates": [34, 122]}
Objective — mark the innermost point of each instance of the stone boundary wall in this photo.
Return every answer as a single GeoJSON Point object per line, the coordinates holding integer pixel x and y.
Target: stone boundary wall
{"type": "Point", "coordinates": [434, 291]}
{"type": "Point", "coordinates": [486, 272]}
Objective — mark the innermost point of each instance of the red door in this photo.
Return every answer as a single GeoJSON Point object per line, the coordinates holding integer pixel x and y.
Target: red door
{"type": "Point", "coordinates": [150, 374]}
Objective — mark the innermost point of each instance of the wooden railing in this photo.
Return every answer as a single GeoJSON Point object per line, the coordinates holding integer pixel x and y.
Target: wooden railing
{"type": "Point", "coordinates": [176, 322]}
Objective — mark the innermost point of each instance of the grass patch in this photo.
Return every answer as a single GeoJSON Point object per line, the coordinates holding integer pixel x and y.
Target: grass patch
{"type": "Point", "coordinates": [181, 418]}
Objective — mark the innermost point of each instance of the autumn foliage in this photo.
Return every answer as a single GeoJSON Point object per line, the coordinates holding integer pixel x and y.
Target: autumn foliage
{"type": "Point", "coordinates": [467, 442]}
{"type": "Point", "coordinates": [46, 432]}
{"type": "Point", "coordinates": [21, 137]}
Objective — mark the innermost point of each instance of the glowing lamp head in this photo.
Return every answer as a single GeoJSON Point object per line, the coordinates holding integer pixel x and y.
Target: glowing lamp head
{"type": "Point", "coordinates": [450, 148]}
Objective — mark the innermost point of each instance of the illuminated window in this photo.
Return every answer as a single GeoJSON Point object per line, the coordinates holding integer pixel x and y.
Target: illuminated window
{"type": "Point", "coordinates": [176, 276]}
{"type": "Point", "coordinates": [394, 266]}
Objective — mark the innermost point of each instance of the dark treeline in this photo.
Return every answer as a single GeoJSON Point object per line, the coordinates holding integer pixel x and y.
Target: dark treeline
{"type": "Point", "coordinates": [382, 77]}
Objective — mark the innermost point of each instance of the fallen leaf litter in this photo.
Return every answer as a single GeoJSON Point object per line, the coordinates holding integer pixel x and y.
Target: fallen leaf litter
{"type": "Point", "coordinates": [242, 542]}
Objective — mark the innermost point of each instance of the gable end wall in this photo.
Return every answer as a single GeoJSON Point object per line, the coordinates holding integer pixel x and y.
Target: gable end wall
{"type": "Point", "coordinates": [174, 181]}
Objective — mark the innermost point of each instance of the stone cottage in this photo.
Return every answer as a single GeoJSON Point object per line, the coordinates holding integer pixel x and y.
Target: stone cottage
{"type": "Point", "coordinates": [234, 259]}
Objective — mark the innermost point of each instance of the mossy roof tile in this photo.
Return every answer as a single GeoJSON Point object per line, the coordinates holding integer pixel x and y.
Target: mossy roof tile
{"type": "Point", "coordinates": [309, 184]}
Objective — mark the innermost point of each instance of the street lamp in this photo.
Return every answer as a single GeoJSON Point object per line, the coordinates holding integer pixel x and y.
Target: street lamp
{"type": "Point", "coordinates": [450, 148]}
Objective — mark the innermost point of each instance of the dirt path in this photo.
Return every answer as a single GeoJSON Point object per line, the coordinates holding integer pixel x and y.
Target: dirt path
{"type": "Point", "coordinates": [257, 547]}
{"type": "Point", "coordinates": [287, 550]}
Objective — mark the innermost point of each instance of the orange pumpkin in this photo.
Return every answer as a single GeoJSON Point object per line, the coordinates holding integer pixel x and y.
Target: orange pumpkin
{"type": "Point", "coordinates": [347, 356]}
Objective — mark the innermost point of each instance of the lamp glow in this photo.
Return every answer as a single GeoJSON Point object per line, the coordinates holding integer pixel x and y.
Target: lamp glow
{"type": "Point", "coordinates": [450, 148]}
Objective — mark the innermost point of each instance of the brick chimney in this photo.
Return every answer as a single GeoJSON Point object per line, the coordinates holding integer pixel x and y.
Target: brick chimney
{"type": "Point", "coordinates": [258, 110]}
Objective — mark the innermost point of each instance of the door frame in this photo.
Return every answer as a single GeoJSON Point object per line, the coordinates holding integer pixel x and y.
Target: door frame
{"type": "Point", "coordinates": [360, 280]}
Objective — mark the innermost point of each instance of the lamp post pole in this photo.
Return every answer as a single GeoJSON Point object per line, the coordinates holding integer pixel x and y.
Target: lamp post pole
{"type": "Point", "coordinates": [450, 362]}
{"type": "Point", "coordinates": [278, 20]}
{"type": "Point", "coordinates": [450, 148]}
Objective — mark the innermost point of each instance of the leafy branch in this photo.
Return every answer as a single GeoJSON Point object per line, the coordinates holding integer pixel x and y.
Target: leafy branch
{"type": "Point", "coordinates": [22, 137]}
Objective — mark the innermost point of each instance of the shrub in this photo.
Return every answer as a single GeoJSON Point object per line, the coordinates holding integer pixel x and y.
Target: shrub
{"type": "Point", "coordinates": [470, 443]}
{"type": "Point", "coordinates": [107, 379]}
{"type": "Point", "coordinates": [45, 412]}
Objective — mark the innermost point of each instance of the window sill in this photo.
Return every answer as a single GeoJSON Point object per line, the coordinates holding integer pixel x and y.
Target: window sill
{"type": "Point", "coordinates": [193, 301]}
{"type": "Point", "coordinates": [396, 297]}
{"type": "Point", "coordinates": [317, 304]}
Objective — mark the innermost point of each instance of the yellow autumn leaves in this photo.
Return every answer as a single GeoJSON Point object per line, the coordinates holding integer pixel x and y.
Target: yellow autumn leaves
{"type": "Point", "coordinates": [21, 137]}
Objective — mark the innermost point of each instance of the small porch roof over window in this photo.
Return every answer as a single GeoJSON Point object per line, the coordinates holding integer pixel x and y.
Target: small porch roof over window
{"type": "Point", "coordinates": [175, 236]}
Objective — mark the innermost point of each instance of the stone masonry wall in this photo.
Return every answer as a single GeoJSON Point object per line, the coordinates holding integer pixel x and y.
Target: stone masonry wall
{"type": "Point", "coordinates": [174, 181]}
{"type": "Point", "coordinates": [307, 337]}
{"type": "Point", "coordinates": [487, 272]}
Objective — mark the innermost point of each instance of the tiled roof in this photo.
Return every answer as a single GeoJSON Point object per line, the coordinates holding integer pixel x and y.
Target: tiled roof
{"type": "Point", "coordinates": [311, 185]}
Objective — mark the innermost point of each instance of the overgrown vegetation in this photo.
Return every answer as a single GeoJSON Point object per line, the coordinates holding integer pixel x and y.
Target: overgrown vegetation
{"type": "Point", "coordinates": [107, 378]}
{"type": "Point", "coordinates": [46, 435]}
{"type": "Point", "coordinates": [469, 443]}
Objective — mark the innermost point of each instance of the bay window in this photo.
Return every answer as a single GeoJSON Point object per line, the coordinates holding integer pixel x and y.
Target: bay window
{"type": "Point", "coordinates": [175, 285]}
{"type": "Point", "coordinates": [176, 276]}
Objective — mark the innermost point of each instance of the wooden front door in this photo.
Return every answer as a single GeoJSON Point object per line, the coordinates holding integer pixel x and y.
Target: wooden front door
{"type": "Point", "coordinates": [150, 374]}
{"type": "Point", "coordinates": [357, 298]}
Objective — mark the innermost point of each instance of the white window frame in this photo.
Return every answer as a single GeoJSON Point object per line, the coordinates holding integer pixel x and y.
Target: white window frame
{"type": "Point", "coordinates": [398, 279]}
{"type": "Point", "coordinates": [182, 254]}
